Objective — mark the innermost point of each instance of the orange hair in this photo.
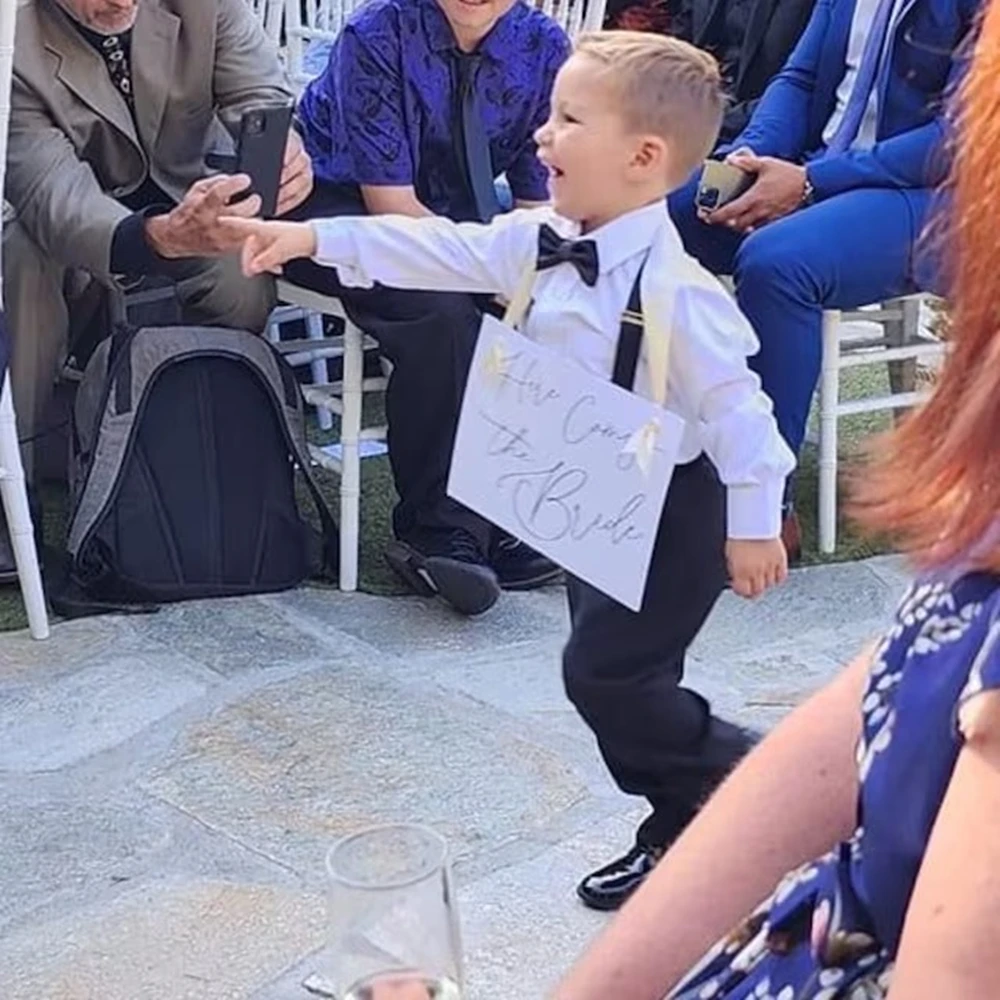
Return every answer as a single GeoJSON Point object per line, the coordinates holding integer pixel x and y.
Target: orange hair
{"type": "Point", "coordinates": [935, 486]}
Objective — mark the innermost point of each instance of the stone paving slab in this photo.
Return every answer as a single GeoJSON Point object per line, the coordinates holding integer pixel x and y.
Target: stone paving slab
{"type": "Point", "coordinates": [298, 764]}
{"type": "Point", "coordinates": [417, 626]}
{"type": "Point", "coordinates": [58, 724]}
{"type": "Point", "coordinates": [189, 941]}
{"type": "Point", "coordinates": [169, 784]}
{"type": "Point", "coordinates": [236, 635]}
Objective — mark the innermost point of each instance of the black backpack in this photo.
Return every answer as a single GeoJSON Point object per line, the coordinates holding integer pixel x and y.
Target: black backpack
{"type": "Point", "coordinates": [186, 442]}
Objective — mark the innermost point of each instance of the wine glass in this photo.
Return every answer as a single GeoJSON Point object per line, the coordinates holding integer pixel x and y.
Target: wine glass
{"type": "Point", "coordinates": [393, 916]}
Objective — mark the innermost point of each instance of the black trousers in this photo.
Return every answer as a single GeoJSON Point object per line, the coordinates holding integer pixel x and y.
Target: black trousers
{"type": "Point", "coordinates": [430, 338]}
{"type": "Point", "coordinates": [623, 669]}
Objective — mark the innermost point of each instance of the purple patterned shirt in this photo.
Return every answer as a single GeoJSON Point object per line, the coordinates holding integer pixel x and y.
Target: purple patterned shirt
{"type": "Point", "coordinates": [384, 110]}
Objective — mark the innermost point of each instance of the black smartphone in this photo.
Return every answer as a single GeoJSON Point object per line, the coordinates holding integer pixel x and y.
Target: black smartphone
{"type": "Point", "coordinates": [260, 151]}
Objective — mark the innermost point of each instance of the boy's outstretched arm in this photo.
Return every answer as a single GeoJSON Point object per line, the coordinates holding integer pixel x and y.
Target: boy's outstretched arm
{"type": "Point", "coordinates": [401, 252]}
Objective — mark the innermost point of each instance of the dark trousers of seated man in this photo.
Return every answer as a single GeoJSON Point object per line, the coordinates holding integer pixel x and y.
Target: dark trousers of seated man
{"type": "Point", "coordinates": [210, 293]}
{"type": "Point", "coordinates": [430, 337]}
{"type": "Point", "coordinates": [623, 669]}
{"type": "Point", "coordinates": [849, 250]}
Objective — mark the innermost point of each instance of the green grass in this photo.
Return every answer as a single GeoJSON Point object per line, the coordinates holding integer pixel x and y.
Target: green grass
{"type": "Point", "coordinates": [378, 498]}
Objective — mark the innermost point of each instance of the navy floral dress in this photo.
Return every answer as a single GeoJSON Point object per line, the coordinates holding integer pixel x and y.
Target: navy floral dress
{"type": "Point", "coordinates": [832, 928]}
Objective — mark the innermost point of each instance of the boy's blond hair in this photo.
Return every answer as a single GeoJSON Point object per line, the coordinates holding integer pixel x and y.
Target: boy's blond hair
{"type": "Point", "coordinates": [665, 87]}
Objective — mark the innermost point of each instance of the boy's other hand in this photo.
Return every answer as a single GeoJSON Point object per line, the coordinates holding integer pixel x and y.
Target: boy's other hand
{"type": "Point", "coordinates": [756, 566]}
{"type": "Point", "coordinates": [268, 245]}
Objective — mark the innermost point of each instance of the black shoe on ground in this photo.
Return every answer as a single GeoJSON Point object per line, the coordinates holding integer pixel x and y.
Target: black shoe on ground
{"type": "Point", "coordinates": [519, 567]}
{"type": "Point", "coordinates": [609, 887]}
{"type": "Point", "coordinates": [457, 571]}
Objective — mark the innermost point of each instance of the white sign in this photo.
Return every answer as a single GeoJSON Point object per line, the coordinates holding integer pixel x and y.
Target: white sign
{"type": "Point", "coordinates": [573, 465]}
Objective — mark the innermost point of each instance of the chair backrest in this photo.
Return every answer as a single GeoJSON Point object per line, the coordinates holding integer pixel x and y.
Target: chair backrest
{"type": "Point", "coordinates": [575, 16]}
{"type": "Point", "coordinates": [312, 21]}
{"type": "Point", "coordinates": [321, 20]}
{"type": "Point", "coordinates": [271, 15]}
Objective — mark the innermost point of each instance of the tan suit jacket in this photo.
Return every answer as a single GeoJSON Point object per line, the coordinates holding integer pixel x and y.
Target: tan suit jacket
{"type": "Point", "coordinates": [74, 147]}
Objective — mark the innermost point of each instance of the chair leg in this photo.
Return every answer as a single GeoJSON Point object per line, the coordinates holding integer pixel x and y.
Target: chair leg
{"type": "Point", "coordinates": [320, 374]}
{"type": "Point", "coordinates": [898, 333]}
{"type": "Point", "coordinates": [15, 505]}
{"type": "Point", "coordinates": [272, 332]}
{"type": "Point", "coordinates": [829, 398]}
{"type": "Point", "coordinates": [350, 478]}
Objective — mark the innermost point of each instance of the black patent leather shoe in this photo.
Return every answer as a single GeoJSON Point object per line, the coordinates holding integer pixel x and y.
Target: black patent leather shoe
{"type": "Point", "coordinates": [456, 571]}
{"type": "Point", "coordinates": [519, 567]}
{"type": "Point", "coordinates": [609, 887]}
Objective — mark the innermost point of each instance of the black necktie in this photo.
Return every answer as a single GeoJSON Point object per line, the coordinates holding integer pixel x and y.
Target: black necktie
{"type": "Point", "coordinates": [475, 144]}
{"type": "Point", "coordinates": [114, 50]}
{"type": "Point", "coordinates": [554, 250]}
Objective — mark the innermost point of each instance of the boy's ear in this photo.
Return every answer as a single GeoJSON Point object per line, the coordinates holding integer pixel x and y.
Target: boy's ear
{"type": "Point", "coordinates": [651, 152]}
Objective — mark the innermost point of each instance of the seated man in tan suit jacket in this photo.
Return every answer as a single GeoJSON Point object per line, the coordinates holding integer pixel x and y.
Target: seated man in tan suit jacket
{"type": "Point", "coordinates": [113, 107]}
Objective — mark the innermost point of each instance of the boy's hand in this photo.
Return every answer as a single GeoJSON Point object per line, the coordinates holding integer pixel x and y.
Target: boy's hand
{"type": "Point", "coordinates": [756, 566]}
{"type": "Point", "coordinates": [268, 245]}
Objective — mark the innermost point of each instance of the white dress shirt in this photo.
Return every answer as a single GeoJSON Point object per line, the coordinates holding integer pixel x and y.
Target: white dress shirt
{"type": "Point", "coordinates": [861, 25]}
{"type": "Point", "coordinates": [708, 384]}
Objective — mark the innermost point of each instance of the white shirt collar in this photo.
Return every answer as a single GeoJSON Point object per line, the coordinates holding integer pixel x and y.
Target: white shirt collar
{"type": "Point", "coordinates": [629, 234]}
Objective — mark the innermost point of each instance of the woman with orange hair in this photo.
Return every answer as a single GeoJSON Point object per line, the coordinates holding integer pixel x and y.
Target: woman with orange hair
{"type": "Point", "coordinates": [900, 801]}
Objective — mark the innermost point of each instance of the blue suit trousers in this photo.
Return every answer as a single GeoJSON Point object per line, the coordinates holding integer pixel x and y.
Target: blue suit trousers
{"type": "Point", "coordinates": [847, 251]}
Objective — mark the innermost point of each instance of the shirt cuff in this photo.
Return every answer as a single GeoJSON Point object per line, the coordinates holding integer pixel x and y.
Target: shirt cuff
{"type": "Point", "coordinates": [335, 247]}
{"type": "Point", "coordinates": [753, 513]}
{"type": "Point", "coordinates": [131, 254]}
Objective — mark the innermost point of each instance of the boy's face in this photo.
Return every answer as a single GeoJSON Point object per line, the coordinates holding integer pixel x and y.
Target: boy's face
{"type": "Point", "coordinates": [598, 169]}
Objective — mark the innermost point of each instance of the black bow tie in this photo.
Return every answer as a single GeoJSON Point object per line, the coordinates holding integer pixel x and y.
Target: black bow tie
{"type": "Point", "coordinates": [553, 250]}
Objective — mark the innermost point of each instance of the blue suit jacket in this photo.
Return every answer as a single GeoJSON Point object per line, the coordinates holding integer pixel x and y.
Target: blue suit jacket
{"type": "Point", "coordinates": [928, 48]}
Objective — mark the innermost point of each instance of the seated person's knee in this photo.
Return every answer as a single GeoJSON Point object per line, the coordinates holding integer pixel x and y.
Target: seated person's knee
{"type": "Point", "coordinates": [761, 258]}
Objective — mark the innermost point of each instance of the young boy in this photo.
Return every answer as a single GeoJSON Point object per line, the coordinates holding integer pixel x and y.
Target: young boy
{"type": "Point", "coordinates": [632, 116]}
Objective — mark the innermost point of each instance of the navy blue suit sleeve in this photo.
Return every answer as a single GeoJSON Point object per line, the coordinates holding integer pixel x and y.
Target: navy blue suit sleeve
{"type": "Point", "coordinates": [131, 254]}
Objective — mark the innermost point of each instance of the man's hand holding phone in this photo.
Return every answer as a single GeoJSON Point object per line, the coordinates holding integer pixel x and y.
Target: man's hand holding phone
{"type": "Point", "coordinates": [721, 183]}
{"type": "Point", "coordinates": [296, 175]}
{"type": "Point", "coordinates": [776, 189]}
{"type": "Point", "coordinates": [193, 229]}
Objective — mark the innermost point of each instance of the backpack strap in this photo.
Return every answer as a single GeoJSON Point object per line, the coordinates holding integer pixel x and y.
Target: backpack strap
{"type": "Point", "coordinates": [328, 559]}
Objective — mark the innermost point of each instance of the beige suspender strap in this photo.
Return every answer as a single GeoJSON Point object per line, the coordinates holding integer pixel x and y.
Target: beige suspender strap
{"type": "Point", "coordinates": [657, 331]}
{"type": "Point", "coordinates": [517, 308]}
{"type": "Point", "coordinates": [656, 320]}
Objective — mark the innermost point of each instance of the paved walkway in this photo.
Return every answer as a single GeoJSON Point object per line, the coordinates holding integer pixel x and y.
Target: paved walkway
{"type": "Point", "coordinates": [169, 784]}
